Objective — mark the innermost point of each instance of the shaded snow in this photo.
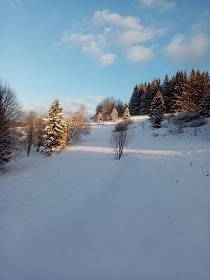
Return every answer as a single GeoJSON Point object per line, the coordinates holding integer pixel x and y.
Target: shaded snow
{"type": "Point", "coordinates": [81, 214]}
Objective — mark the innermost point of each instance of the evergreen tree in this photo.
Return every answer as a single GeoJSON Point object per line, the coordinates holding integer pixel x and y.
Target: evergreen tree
{"type": "Point", "coordinates": [135, 102]}
{"type": "Point", "coordinates": [145, 101]}
{"type": "Point", "coordinates": [181, 92]}
{"type": "Point", "coordinates": [126, 114]}
{"type": "Point", "coordinates": [157, 110]}
{"type": "Point", "coordinates": [114, 115]}
{"type": "Point", "coordinates": [99, 117]}
{"type": "Point", "coordinates": [205, 106]}
{"type": "Point", "coordinates": [55, 131]}
{"type": "Point", "coordinates": [167, 90]}
{"type": "Point", "coordinates": [148, 95]}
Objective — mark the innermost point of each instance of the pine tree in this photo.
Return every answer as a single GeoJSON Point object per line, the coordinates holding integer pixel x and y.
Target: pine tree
{"type": "Point", "coordinates": [126, 114]}
{"type": "Point", "coordinates": [149, 93]}
{"type": "Point", "coordinates": [157, 110]}
{"type": "Point", "coordinates": [145, 100]}
{"type": "Point", "coordinates": [55, 131]}
{"type": "Point", "coordinates": [135, 102]}
{"type": "Point", "coordinates": [180, 80]}
{"type": "Point", "coordinates": [167, 90]}
{"type": "Point", "coordinates": [205, 106]}
{"type": "Point", "coordinates": [114, 115]}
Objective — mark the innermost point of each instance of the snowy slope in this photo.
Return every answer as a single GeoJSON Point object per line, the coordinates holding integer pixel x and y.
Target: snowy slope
{"type": "Point", "coordinates": [81, 215]}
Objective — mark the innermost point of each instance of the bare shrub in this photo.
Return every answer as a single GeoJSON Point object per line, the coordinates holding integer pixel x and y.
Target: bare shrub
{"type": "Point", "coordinates": [184, 118]}
{"type": "Point", "coordinates": [199, 122]}
{"type": "Point", "coordinates": [188, 119]}
{"type": "Point", "coordinates": [121, 137]}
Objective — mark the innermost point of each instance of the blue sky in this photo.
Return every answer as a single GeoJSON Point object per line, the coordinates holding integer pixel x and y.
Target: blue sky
{"type": "Point", "coordinates": [85, 50]}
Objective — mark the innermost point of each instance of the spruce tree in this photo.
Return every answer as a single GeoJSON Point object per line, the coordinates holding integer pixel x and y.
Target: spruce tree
{"type": "Point", "coordinates": [99, 117]}
{"type": "Point", "coordinates": [157, 110]}
{"type": "Point", "coordinates": [167, 90]}
{"type": "Point", "coordinates": [147, 97]}
{"type": "Point", "coordinates": [181, 90]}
{"type": "Point", "coordinates": [145, 101]}
{"type": "Point", "coordinates": [55, 131]}
{"type": "Point", "coordinates": [205, 106]}
{"type": "Point", "coordinates": [126, 114]}
{"type": "Point", "coordinates": [135, 102]}
{"type": "Point", "coordinates": [114, 115]}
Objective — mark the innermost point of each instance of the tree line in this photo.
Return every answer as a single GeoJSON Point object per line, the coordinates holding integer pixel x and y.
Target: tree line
{"type": "Point", "coordinates": [180, 93]}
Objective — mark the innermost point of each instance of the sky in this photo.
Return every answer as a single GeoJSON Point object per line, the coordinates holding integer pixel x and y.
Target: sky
{"type": "Point", "coordinates": [81, 51]}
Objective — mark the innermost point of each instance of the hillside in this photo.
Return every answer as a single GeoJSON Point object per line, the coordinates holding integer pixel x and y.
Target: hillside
{"type": "Point", "coordinates": [82, 215]}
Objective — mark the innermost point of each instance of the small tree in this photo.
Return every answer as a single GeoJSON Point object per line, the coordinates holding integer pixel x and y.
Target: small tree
{"type": "Point", "coordinates": [30, 129]}
{"type": "Point", "coordinates": [78, 125]}
{"type": "Point", "coordinates": [55, 130]}
{"type": "Point", "coordinates": [157, 110]}
{"type": "Point", "coordinates": [39, 133]}
{"type": "Point", "coordinates": [114, 115]}
{"type": "Point", "coordinates": [126, 114]}
{"type": "Point", "coordinates": [99, 118]}
{"type": "Point", "coordinates": [121, 137]}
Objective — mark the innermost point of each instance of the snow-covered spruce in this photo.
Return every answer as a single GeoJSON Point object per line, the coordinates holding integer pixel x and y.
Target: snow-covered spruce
{"type": "Point", "coordinates": [114, 115]}
{"type": "Point", "coordinates": [126, 114]}
{"type": "Point", "coordinates": [55, 130]}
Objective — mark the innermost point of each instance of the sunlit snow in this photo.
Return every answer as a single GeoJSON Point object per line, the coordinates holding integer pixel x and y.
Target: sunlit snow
{"type": "Point", "coordinates": [82, 215]}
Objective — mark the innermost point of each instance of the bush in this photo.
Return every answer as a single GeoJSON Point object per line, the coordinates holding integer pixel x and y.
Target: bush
{"type": "Point", "coordinates": [120, 137]}
{"type": "Point", "coordinates": [184, 118]}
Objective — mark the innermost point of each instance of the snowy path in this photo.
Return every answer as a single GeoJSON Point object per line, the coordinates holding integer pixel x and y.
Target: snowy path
{"type": "Point", "coordinates": [82, 215]}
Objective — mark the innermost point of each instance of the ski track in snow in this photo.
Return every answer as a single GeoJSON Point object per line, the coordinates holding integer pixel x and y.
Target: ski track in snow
{"type": "Point", "coordinates": [80, 214]}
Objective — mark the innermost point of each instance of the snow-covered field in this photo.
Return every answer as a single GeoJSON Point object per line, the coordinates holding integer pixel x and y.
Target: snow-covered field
{"type": "Point", "coordinates": [82, 215]}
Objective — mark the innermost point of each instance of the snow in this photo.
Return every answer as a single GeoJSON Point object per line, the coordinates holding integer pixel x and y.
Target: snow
{"type": "Point", "coordinates": [82, 215]}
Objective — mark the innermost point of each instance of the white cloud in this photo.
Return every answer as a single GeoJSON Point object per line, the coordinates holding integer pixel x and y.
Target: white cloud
{"type": "Point", "coordinates": [133, 37]}
{"type": "Point", "coordinates": [106, 31]}
{"type": "Point", "coordinates": [163, 5]}
{"type": "Point", "coordinates": [182, 47]}
{"type": "Point", "coordinates": [115, 19]}
{"type": "Point", "coordinates": [107, 59]}
{"type": "Point", "coordinates": [138, 54]}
